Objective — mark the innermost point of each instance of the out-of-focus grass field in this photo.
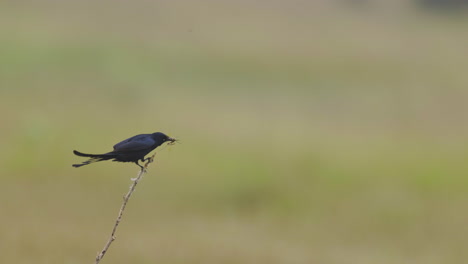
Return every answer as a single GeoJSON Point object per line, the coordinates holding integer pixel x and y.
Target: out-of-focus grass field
{"type": "Point", "coordinates": [309, 133]}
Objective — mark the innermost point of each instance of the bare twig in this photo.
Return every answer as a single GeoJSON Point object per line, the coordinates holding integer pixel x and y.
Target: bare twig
{"type": "Point", "coordinates": [122, 208]}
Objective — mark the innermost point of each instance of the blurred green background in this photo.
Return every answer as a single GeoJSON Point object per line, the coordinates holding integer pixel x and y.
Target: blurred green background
{"type": "Point", "coordinates": [311, 131]}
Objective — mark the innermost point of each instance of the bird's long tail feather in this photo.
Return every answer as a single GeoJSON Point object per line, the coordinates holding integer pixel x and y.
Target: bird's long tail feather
{"type": "Point", "coordinates": [93, 158]}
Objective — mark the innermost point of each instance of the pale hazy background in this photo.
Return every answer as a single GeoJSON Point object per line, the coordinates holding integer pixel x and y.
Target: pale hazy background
{"type": "Point", "coordinates": [332, 132]}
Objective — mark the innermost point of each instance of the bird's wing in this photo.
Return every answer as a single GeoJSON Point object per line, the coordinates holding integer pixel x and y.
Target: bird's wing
{"type": "Point", "coordinates": [138, 142]}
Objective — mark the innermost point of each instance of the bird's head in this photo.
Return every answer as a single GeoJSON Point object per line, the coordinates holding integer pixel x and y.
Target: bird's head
{"type": "Point", "coordinates": [164, 138]}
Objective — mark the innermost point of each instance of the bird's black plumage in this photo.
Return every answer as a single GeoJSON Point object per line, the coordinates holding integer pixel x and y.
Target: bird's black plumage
{"type": "Point", "coordinates": [131, 149]}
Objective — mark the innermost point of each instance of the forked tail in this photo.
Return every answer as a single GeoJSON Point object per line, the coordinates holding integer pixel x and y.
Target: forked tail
{"type": "Point", "coordinates": [93, 158]}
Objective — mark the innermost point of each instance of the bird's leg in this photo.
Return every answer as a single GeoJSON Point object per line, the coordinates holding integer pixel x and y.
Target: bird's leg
{"type": "Point", "coordinates": [141, 167]}
{"type": "Point", "coordinates": [147, 159]}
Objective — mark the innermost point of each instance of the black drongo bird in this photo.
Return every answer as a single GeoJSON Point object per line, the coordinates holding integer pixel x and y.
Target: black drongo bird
{"type": "Point", "coordinates": [130, 150]}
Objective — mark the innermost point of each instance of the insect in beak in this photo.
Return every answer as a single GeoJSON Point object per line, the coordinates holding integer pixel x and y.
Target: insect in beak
{"type": "Point", "coordinates": [172, 141]}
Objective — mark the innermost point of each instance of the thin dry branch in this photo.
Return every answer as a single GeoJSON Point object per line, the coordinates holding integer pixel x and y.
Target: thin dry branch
{"type": "Point", "coordinates": [101, 254]}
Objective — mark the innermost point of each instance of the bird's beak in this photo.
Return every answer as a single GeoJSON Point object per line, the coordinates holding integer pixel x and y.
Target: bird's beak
{"type": "Point", "coordinates": [172, 140]}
